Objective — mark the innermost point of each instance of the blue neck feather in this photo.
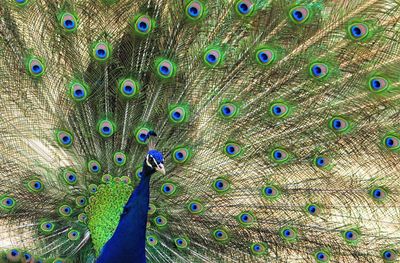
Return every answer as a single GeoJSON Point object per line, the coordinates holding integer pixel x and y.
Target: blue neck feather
{"type": "Point", "coordinates": [128, 244]}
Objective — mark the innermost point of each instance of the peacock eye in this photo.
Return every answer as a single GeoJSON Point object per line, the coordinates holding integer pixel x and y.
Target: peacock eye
{"type": "Point", "coordinates": [119, 158]}
{"type": "Point", "coordinates": [212, 57]}
{"type": "Point", "coordinates": [73, 235]}
{"type": "Point", "coordinates": [69, 22]}
{"type": "Point", "coordinates": [279, 155]}
{"type": "Point", "coordinates": [288, 233]}
{"type": "Point", "coordinates": [246, 219]}
{"type": "Point", "coordinates": [391, 142]}
{"type": "Point", "coordinates": [259, 248]}
{"type": "Point", "coordinates": [265, 56]}
{"type": "Point", "coordinates": [168, 189]}
{"type": "Point", "coordinates": [142, 25]}
{"type": "Point", "coordinates": [299, 14]}
{"type": "Point", "coordinates": [228, 110]}
{"type": "Point", "coordinates": [196, 207]}
{"type": "Point", "coordinates": [101, 51]}
{"type": "Point", "coordinates": [319, 70]}
{"type": "Point", "coordinates": [232, 149]}
{"type": "Point", "coordinates": [141, 134]}
{"type": "Point", "coordinates": [389, 255]}
{"type": "Point", "coordinates": [78, 91]}
{"type": "Point", "coordinates": [94, 166]}
{"type": "Point", "coordinates": [378, 193]}
{"type": "Point", "coordinates": [177, 114]}
{"type": "Point", "coordinates": [221, 185]}
{"type": "Point", "coordinates": [181, 243]}
{"type": "Point", "coordinates": [64, 138]}
{"type": "Point", "coordinates": [313, 209]}
{"type": "Point", "coordinates": [339, 124]}
{"type": "Point", "coordinates": [351, 236]}
{"type": "Point", "coordinates": [279, 110]}
{"type": "Point", "coordinates": [322, 256]}
{"type": "Point", "coordinates": [378, 84]}
{"type": "Point", "coordinates": [358, 31]}
{"type": "Point", "coordinates": [181, 155]}
{"type": "Point", "coordinates": [166, 69]}
{"type": "Point", "coordinates": [152, 240]}
{"type": "Point", "coordinates": [220, 235]}
{"type": "Point", "coordinates": [194, 10]}
{"type": "Point", "coordinates": [106, 128]}
{"type": "Point", "coordinates": [160, 221]}
{"type": "Point", "coordinates": [244, 8]}
{"type": "Point", "coordinates": [35, 66]}
{"type": "Point", "coordinates": [65, 210]}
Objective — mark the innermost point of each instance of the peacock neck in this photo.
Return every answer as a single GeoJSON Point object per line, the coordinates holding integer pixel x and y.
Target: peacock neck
{"type": "Point", "coordinates": [129, 239]}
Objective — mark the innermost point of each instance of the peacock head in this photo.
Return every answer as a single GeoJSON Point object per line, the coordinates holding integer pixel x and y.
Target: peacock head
{"type": "Point", "coordinates": [155, 162]}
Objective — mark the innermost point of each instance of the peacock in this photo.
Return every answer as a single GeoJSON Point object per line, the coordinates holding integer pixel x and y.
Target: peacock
{"type": "Point", "coordinates": [199, 131]}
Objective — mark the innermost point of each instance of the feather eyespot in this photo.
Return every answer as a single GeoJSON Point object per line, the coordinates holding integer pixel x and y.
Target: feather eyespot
{"type": "Point", "coordinates": [181, 243]}
{"type": "Point", "coordinates": [35, 185]}
{"type": "Point", "coordinates": [106, 128]}
{"type": "Point", "coordinates": [259, 248]}
{"type": "Point", "coordinates": [70, 176]}
{"type": "Point", "coordinates": [212, 57]}
{"type": "Point", "coordinates": [358, 31]}
{"type": "Point", "coordinates": [152, 209]}
{"type": "Point", "coordinates": [65, 210]}
{"type": "Point", "coordinates": [288, 233]}
{"type": "Point", "coordinates": [313, 209]}
{"type": "Point", "coordinates": [166, 69]}
{"type": "Point", "coordinates": [7, 203]}
{"type": "Point", "coordinates": [339, 125]}
{"type": "Point", "coordinates": [68, 22]}
{"type": "Point", "coordinates": [319, 70]}
{"type": "Point", "coordinates": [79, 91]}
{"type": "Point", "coordinates": [378, 84]}
{"type": "Point", "coordinates": [378, 193]}
{"type": "Point", "coordinates": [279, 110]}
{"type": "Point", "coordinates": [101, 51]}
{"type": "Point", "coordinates": [64, 138]}
{"type": "Point", "coordinates": [351, 236]}
{"type": "Point", "coordinates": [94, 167]}
{"type": "Point", "coordinates": [265, 56]}
{"type": "Point", "coordinates": [229, 110]}
{"type": "Point", "coordinates": [152, 240]}
{"type": "Point", "coordinates": [178, 113]}
{"type": "Point", "coordinates": [168, 189]}
{"type": "Point", "coordinates": [21, 3]}
{"type": "Point", "coordinates": [35, 66]}
{"type": "Point", "coordinates": [28, 258]}
{"type": "Point", "coordinates": [232, 149]}
{"type": "Point", "coordinates": [81, 201]}
{"type": "Point", "coordinates": [389, 255]}
{"type": "Point", "coordinates": [119, 158]}
{"type": "Point", "coordinates": [141, 135]}
{"type": "Point", "coordinates": [47, 227]}
{"type": "Point", "coordinates": [299, 14]}
{"type": "Point", "coordinates": [391, 141]}
{"type": "Point", "coordinates": [73, 235]}
{"type": "Point", "coordinates": [195, 207]}
{"type": "Point", "coordinates": [244, 8]}
{"type": "Point", "coordinates": [107, 178]}
{"type": "Point", "coordinates": [270, 192]}
{"type": "Point", "coordinates": [221, 185]}
{"type": "Point", "coordinates": [246, 219]}
{"type": "Point", "coordinates": [220, 235]}
{"type": "Point", "coordinates": [14, 255]}
{"type": "Point", "coordinates": [143, 25]}
{"type": "Point", "coordinates": [195, 10]}
{"type": "Point", "coordinates": [128, 88]}
{"type": "Point", "coordinates": [160, 221]}
{"type": "Point", "coordinates": [82, 217]}
{"type": "Point", "coordinates": [181, 155]}
{"type": "Point", "coordinates": [279, 155]}
{"type": "Point", "coordinates": [322, 256]}
{"type": "Point", "coordinates": [92, 188]}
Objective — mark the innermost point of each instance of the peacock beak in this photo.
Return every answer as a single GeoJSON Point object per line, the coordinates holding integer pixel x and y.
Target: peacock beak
{"type": "Point", "coordinates": [160, 168]}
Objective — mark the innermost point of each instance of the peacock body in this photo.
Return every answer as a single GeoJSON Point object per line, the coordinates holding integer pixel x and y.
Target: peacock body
{"type": "Point", "coordinates": [277, 123]}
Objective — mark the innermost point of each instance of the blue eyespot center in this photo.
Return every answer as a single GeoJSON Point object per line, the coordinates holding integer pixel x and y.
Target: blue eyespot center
{"type": "Point", "coordinates": [66, 139]}
{"type": "Point", "coordinates": [180, 242]}
{"type": "Point", "coordinates": [219, 234]}
{"type": "Point", "coordinates": [278, 155]}
{"type": "Point", "coordinates": [193, 11]}
{"type": "Point", "coordinates": [164, 70]}
{"type": "Point", "coordinates": [375, 84]}
{"type": "Point", "coordinates": [317, 71]}
{"type": "Point", "coordinates": [377, 193]}
{"type": "Point", "coordinates": [179, 156]}
{"type": "Point", "coordinates": [95, 168]}
{"type": "Point", "coordinates": [356, 31]}
{"type": "Point", "coordinates": [220, 185]}
{"type": "Point", "coordinates": [194, 207]}
{"type": "Point", "coordinates": [176, 115]}
{"type": "Point", "coordinates": [230, 149]}
{"type": "Point", "coordinates": [69, 24]}
{"type": "Point", "coordinates": [106, 130]}
{"type": "Point", "coordinates": [37, 185]}
{"type": "Point", "coordinates": [263, 57]}
{"type": "Point", "coordinates": [245, 218]}
{"type": "Point", "coordinates": [337, 124]}
{"type": "Point", "coordinates": [167, 189]}
{"type": "Point", "coordinates": [321, 256]}
{"type": "Point", "coordinates": [119, 159]}
{"type": "Point", "coordinates": [312, 209]}
{"type": "Point", "coordinates": [159, 220]}
{"type": "Point", "coordinates": [257, 248]}
{"type": "Point", "coordinates": [349, 235]}
{"type": "Point", "coordinates": [14, 253]}
{"type": "Point", "coordinates": [226, 110]}
{"type": "Point", "coordinates": [37, 69]}
{"type": "Point", "coordinates": [142, 137]}
{"type": "Point", "coordinates": [211, 58]}
{"type": "Point", "coordinates": [243, 8]}
{"type": "Point", "coordinates": [277, 110]}
{"type": "Point", "coordinates": [387, 254]}
{"type": "Point", "coordinates": [287, 233]}
{"type": "Point", "coordinates": [269, 191]}
{"type": "Point", "coordinates": [128, 89]}
{"type": "Point", "coordinates": [143, 26]}
{"type": "Point", "coordinates": [79, 93]}
{"type": "Point", "coordinates": [27, 256]}
{"type": "Point", "coordinates": [101, 53]}
{"type": "Point", "coordinates": [389, 142]}
{"type": "Point", "coordinates": [320, 161]}
{"type": "Point", "coordinates": [297, 15]}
